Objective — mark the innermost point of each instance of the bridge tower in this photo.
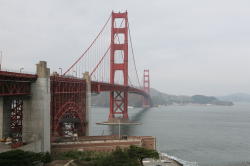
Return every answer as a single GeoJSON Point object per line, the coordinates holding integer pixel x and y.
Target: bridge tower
{"type": "Point", "coordinates": [146, 87]}
{"type": "Point", "coordinates": [119, 99]}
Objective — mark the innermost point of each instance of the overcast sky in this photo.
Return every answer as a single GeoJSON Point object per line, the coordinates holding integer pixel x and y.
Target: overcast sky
{"type": "Point", "coordinates": [190, 46]}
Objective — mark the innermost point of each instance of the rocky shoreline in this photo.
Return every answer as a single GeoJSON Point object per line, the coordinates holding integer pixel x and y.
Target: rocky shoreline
{"type": "Point", "coordinates": [163, 161]}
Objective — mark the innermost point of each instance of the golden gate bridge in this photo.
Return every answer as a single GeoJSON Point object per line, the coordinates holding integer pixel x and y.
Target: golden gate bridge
{"type": "Point", "coordinates": [108, 65]}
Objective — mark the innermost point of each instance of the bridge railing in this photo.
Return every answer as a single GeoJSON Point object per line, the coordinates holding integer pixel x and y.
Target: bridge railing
{"type": "Point", "coordinates": [21, 70]}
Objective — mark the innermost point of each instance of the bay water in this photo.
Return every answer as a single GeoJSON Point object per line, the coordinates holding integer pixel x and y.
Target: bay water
{"type": "Point", "coordinates": [194, 134]}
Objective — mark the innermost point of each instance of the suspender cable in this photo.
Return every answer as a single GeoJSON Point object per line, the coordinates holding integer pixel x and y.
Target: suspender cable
{"type": "Point", "coordinates": [88, 47]}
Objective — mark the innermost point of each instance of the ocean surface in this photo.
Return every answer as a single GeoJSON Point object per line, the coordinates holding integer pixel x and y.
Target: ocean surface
{"type": "Point", "coordinates": [196, 135]}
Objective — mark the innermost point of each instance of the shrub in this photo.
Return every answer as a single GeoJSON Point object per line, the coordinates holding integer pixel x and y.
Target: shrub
{"type": "Point", "coordinates": [23, 158]}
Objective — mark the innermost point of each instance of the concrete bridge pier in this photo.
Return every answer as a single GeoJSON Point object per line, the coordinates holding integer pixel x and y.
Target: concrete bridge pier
{"type": "Point", "coordinates": [88, 120]}
{"type": "Point", "coordinates": [36, 114]}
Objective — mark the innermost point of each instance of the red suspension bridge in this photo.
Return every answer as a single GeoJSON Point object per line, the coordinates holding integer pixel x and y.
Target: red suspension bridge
{"type": "Point", "coordinates": [109, 65]}
{"type": "Point", "coordinates": [112, 65]}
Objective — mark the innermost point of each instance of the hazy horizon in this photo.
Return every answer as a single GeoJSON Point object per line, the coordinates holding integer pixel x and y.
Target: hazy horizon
{"type": "Point", "coordinates": [191, 47]}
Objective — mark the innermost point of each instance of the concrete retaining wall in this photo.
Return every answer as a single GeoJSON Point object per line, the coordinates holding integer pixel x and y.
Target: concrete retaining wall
{"type": "Point", "coordinates": [104, 143]}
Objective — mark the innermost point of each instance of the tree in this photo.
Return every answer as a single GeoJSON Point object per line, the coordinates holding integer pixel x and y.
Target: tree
{"type": "Point", "coordinates": [141, 153]}
{"type": "Point", "coordinates": [118, 157]}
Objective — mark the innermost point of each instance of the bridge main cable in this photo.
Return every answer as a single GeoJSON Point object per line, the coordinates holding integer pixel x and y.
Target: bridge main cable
{"type": "Point", "coordinates": [132, 50]}
{"type": "Point", "coordinates": [116, 37]}
{"type": "Point", "coordinates": [88, 47]}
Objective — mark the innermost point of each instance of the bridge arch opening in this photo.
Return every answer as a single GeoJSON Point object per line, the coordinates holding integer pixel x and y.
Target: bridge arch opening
{"type": "Point", "coordinates": [69, 120]}
{"type": "Point", "coordinates": [69, 124]}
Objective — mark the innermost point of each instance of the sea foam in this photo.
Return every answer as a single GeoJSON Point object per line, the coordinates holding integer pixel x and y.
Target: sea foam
{"type": "Point", "coordinates": [185, 163]}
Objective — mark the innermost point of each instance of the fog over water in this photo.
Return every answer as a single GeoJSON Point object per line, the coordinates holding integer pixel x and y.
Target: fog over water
{"type": "Point", "coordinates": [209, 135]}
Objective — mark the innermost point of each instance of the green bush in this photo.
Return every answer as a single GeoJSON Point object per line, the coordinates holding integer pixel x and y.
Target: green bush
{"type": "Point", "coordinates": [132, 156]}
{"type": "Point", "coordinates": [140, 153]}
{"type": "Point", "coordinates": [118, 157]}
{"type": "Point", "coordinates": [23, 158]}
{"type": "Point", "coordinates": [46, 157]}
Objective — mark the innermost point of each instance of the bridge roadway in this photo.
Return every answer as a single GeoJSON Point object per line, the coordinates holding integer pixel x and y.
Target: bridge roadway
{"type": "Point", "coordinates": [98, 87]}
{"type": "Point", "coordinates": [12, 83]}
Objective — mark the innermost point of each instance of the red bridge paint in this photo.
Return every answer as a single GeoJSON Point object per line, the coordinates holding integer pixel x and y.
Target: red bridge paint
{"type": "Point", "coordinates": [146, 86]}
{"type": "Point", "coordinates": [14, 87]}
{"type": "Point", "coordinates": [68, 101]}
{"type": "Point", "coordinates": [13, 84]}
{"type": "Point", "coordinates": [119, 99]}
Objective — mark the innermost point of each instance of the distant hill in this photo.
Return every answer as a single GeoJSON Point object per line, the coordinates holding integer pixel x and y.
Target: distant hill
{"type": "Point", "coordinates": [236, 97]}
{"type": "Point", "coordinates": [159, 98]}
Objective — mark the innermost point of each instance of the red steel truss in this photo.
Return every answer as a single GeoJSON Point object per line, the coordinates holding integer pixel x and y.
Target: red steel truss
{"type": "Point", "coordinates": [16, 117]}
{"type": "Point", "coordinates": [146, 87]}
{"type": "Point", "coordinates": [12, 84]}
{"type": "Point", "coordinates": [119, 99]}
{"type": "Point", "coordinates": [68, 100]}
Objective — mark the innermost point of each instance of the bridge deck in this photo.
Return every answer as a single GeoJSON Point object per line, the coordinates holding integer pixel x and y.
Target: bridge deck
{"type": "Point", "coordinates": [104, 86]}
{"type": "Point", "coordinates": [13, 84]}
{"type": "Point", "coordinates": [17, 76]}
